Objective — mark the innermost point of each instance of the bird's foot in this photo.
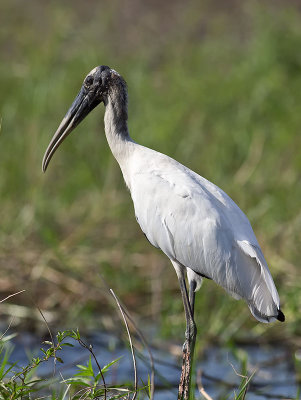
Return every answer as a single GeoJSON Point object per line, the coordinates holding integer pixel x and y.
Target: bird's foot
{"type": "Point", "coordinates": [184, 385]}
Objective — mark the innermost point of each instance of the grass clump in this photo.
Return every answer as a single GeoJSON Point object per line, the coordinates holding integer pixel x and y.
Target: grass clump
{"type": "Point", "coordinates": [88, 382]}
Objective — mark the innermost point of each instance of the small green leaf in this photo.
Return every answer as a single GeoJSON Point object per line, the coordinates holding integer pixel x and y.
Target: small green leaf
{"type": "Point", "coordinates": [106, 367]}
{"type": "Point", "coordinates": [76, 381]}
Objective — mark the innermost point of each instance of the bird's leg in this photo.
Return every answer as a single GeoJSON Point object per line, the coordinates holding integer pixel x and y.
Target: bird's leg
{"type": "Point", "coordinates": [183, 378]}
{"type": "Point", "coordinates": [190, 335]}
{"type": "Point", "coordinates": [192, 287]}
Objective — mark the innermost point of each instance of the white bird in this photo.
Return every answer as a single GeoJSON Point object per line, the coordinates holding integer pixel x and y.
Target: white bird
{"type": "Point", "coordinates": [197, 225]}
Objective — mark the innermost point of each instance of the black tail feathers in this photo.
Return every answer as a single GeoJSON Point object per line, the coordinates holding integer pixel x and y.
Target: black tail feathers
{"type": "Point", "coordinates": [280, 316]}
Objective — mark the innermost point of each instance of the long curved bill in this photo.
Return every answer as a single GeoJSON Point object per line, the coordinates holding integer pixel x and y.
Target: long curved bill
{"type": "Point", "coordinates": [80, 108]}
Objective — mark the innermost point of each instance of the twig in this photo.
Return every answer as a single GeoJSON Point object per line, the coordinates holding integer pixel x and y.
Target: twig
{"type": "Point", "coordinates": [11, 295]}
{"type": "Point", "coordinates": [131, 344]}
{"type": "Point", "coordinates": [143, 340]}
{"type": "Point", "coordinates": [237, 373]}
{"type": "Point", "coordinates": [90, 348]}
{"type": "Point", "coordinates": [49, 331]}
{"type": "Point", "coordinates": [68, 386]}
{"type": "Point", "coordinates": [201, 387]}
{"type": "Point", "coordinates": [140, 334]}
{"type": "Point", "coordinates": [7, 329]}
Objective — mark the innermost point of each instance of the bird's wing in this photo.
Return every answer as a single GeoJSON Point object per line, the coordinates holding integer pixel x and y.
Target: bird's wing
{"type": "Point", "coordinates": [255, 280]}
{"type": "Point", "coordinates": [175, 206]}
{"type": "Point", "coordinates": [195, 223]}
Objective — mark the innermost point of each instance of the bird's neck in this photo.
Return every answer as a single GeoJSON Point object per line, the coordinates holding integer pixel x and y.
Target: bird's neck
{"type": "Point", "coordinates": [116, 127]}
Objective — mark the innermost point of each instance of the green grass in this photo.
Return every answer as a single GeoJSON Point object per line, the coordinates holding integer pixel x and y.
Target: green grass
{"type": "Point", "coordinates": [90, 379]}
{"type": "Point", "coordinates": [23, 382]}
{"type": "Point", "coordinates": [219, 93]}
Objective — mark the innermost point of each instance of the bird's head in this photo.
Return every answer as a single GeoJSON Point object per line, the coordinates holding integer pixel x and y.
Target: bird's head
{"type": "Point", "coordinates": [97, 86]}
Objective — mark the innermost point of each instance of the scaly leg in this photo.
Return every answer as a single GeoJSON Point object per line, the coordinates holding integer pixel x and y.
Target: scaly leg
{"type": "Point", "coordinates": [190, 333]}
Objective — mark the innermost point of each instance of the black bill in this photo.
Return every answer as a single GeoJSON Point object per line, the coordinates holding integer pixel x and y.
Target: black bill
{"type": "Point", "coordinates": [84, 103]}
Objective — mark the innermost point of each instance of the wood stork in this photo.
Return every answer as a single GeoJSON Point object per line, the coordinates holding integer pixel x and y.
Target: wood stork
{"type": "Point", "coordinates": [197, 225]}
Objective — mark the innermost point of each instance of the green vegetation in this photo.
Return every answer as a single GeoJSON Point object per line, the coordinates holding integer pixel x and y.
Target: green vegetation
{"type": "Point", "coordinates": [23, 382]}
{"type": "Point", "coordinates": [88, 382]}
{"type": "Point", "coordinates": [217, 89]}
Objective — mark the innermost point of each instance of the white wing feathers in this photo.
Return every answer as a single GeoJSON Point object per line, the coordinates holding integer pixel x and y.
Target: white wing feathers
{"type": "Point", "coordinates": [198, 225]}
{"type": "Point", "coordinates": [262, 299]}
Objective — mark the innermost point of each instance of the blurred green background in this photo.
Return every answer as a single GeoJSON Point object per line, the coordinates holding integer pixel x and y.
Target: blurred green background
{"type": "Point", "coordinates": [216, 85]}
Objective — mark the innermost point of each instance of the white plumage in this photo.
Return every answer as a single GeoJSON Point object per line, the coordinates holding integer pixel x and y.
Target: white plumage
{"type": "Point", "coordinates": [195, 223]}
{"type": "Point", "coordinates": [199, 226]}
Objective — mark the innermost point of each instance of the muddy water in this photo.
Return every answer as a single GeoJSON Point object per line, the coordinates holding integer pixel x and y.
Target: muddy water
{"type": "Point", "coordinates": [275, 377]}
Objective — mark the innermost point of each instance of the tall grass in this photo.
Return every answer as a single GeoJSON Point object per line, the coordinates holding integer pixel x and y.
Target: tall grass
{"type": "Point", "coordinates": [217, 90]}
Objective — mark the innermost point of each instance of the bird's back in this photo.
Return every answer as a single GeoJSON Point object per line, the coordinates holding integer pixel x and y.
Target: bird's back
{"type": "Point", "coordinates": [197, 224]}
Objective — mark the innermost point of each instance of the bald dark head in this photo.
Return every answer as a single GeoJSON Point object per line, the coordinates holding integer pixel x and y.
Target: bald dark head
{"type": "Point", "coordinates": [102, 81]}
{"type": "Point", "coordinates": [100, 85]}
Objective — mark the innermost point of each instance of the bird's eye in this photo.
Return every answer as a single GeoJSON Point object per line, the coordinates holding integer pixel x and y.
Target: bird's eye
{"type": "Point", "coordinates": [89, 81]}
